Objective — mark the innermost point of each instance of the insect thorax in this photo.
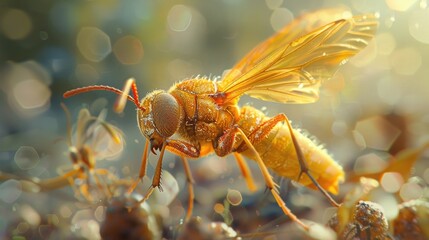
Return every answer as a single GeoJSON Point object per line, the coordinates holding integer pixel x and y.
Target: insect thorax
{"type": "Point", "coordinates": [203, 120]}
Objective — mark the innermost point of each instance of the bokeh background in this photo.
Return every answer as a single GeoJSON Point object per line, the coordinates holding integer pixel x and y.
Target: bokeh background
{"type": "Point", "coordinates": [375, 106]}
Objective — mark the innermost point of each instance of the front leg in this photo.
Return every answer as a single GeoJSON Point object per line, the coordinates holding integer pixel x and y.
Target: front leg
{"type": "Point", "coordinates": [178, 147]}
{"type": "Point", "coordinates": [224, 145]}
{"type": "Point", "coordinates": [183, 150]}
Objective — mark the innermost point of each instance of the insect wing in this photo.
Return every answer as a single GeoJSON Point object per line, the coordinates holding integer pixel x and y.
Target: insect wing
{"type": "Point", "coordinates": [285, 71]}
{"type": "Point", "coordinates": [82, 120]}
{"type": "Point", "coordinates": [299, 27]}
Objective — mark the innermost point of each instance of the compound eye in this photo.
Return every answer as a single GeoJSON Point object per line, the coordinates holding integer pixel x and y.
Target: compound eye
{"type": "Point", "coordinates": [166, 114]}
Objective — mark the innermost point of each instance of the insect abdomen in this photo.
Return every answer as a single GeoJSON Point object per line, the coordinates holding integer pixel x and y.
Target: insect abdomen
{"type": "Point", "coordinates": [278, 153]}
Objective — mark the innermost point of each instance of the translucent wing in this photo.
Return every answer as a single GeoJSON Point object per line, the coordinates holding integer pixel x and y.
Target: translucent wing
{"type": "Point", "coordinates": [299, 27]}
{"type": "Point", "coordinates": [285, 70]}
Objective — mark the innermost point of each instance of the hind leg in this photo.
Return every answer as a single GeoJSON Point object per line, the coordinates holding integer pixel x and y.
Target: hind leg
{"type": "Point", "coordinates": [262, 130]}
{"type": "Point", "coordinates": [228, 141]}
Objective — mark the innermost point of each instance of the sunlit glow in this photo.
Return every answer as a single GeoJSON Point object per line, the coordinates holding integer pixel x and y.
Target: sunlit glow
{"type": "Point", "coordinates": [410, 191]}
{"type": "Point", "coordinates": [369, 163]}
{"type": "Point", "coordinates": [377, 132]}
{"type": "Point", "coordinates": [93, 44]}
{"type": "Point", "coordinates": [23, 227]}
{"type": "Point", "coordinates": [179, 18]}
{"type": "Point", "coordinates": [400, 5]}
{"type": "Point", "coordinates": [406, 61]}
{"type": "Point", "coordinates": [359, 139]}
{"type": "Point", "coordinates": [363, 5]}
{"type": "Point", "coordinates": [273, 4]}
{"type": "Point", "coordinates": [389, 204]}
{"type": "Point", "coordinates": [91, 229]}
{"type": "Point", "coordinates": [187, 30]}
{"type": "Point", "coordinates": [339, 128]}
{"type": "Point", "coordinates": [318, 231]}
{"type": "Point", "coordinates": [15, 24]}
{"type": "Point", "coordinates": [391, 181]}
{"type": "Point", "coordinates": [418, 24]}
{"type": "Point", "coordinates": [53, 219]}
{"type": "Point", "coordinates": [31, 94]}
{"type": "Point", "coordinates": [65, 211]}
{"type": "Point", "coordinates": [180, 69]}
{"type": "Point", "coordinates": [100, 213]}
{"type": "Point", "coordinates": [219, 208]}
{"type": "Point", "coordinates": [162, 43]}
{"type": "Point", "coordinates": [82, 216]}
{"type": "Point", "coordinates": [26, 157]}
{"type": "Point", "coordinates": [128, 50]}
{"type": "Point", "coordinates": [386, 43]}
{"type": "Point", "coordinates": [280, 18]}
{"type": "Point", "coordinates": [10, 191]}
{"type": "Point", "coordinates": [234, 197]}
{"type": "Point", "coordinates": [30, 215]}
{"type": "Point", "coordinates": [389, 91]}
{"type": "Point", "coordinates": [86, 74]}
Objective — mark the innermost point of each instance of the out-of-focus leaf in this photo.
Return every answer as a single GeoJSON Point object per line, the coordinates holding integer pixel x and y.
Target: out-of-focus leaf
{"type": "Point", "coordinates": [401, 163]}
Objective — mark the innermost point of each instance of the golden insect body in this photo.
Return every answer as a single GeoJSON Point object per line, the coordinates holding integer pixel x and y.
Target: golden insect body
{"type": "Point", "coordinates": [289, 68]}
{"type": "Point", "coordinates": [278, 142]}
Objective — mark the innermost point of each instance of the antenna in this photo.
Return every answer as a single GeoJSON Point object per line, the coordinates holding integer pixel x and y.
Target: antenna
{"type": "Point", "coordinates": [123, 94]}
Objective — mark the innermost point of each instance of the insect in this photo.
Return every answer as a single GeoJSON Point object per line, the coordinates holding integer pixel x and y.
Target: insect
{"type": "Point", "coordinates": [93, 139]}
{"type": "Point", "coordinates": [199, 116]}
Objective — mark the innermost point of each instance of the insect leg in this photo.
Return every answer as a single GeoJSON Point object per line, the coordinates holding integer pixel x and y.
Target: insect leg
{"type": "Point", "coordinates": [143, 167]}
{"type": "Point", "coordinates": [269, 181]}
{"type": "Point", "coordinates": [245, 171]}
{"type": "Point", "coordinates": [183, 148]}
{"type": "Point", "coordinates": [225, 143]}
{"type": "Point", "coordinates": [37, 185]}
{"type": "Point", "coordinates": [224, 146]}
{"type": "Point", "coordinates": [102, 184]}
{"type": "Point", "coordinates": [84, 190]}
{"type": "Point", "coordinates": [156, 180]}
{"type": "Point", "coordinates": [103, 188]}
{"type": "Point", "coordinates": [58, 182]}
{"type": "Point", "coordinates": [176, 146]}
{"type": "Point", "coordinates": [264, 129]}
{"type": "Point", "coordinates": [191, 182]}
{"type": "Point", "coordinates": [79, 173]}
{"type": "Point", "coordinates": [122, 99]}
{"type": "Point", "coordinates": [304, 168]}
